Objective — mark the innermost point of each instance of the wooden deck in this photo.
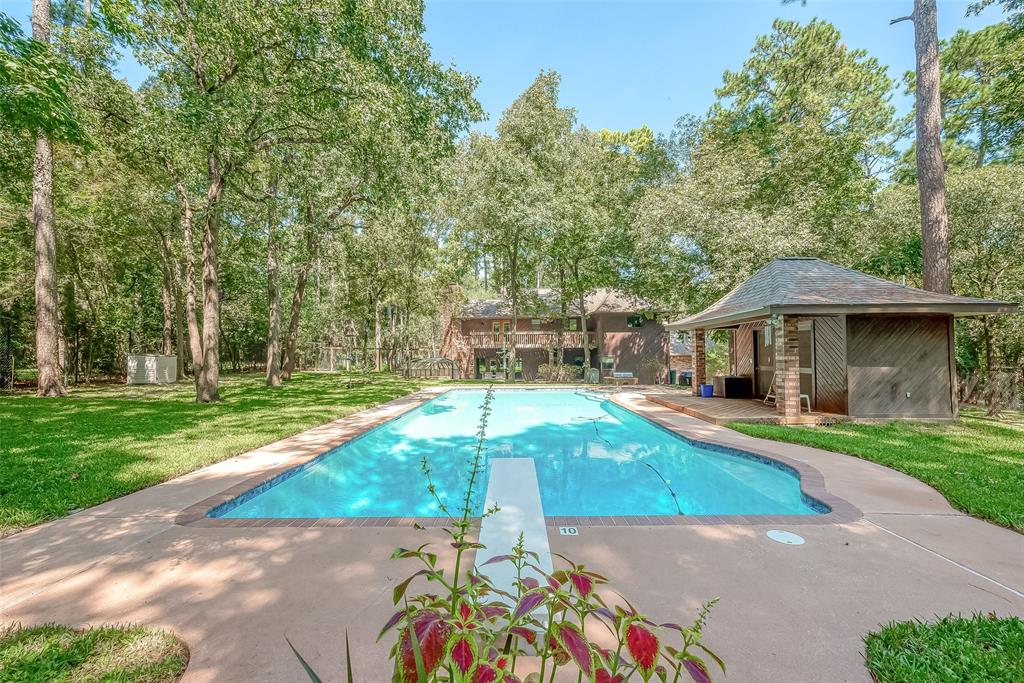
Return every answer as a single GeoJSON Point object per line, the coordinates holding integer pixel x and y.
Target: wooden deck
{"type": "Point", "coordinates": [724, 410]}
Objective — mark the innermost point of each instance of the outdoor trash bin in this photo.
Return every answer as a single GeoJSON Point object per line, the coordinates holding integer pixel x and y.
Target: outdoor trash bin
{"type": "Point", "coordinates": [707, 390]}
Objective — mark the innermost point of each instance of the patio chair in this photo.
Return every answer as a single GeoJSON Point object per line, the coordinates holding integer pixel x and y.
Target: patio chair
{"type": "Point", "coordinates": [771, 398]}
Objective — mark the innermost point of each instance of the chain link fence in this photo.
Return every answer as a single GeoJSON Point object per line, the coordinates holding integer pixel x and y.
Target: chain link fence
{"type": "Point", "coordinates": [997, 390]}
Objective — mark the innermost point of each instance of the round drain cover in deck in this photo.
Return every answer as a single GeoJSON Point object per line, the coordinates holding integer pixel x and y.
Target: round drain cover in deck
{"type": "Point", "coordinates": [785, 537]}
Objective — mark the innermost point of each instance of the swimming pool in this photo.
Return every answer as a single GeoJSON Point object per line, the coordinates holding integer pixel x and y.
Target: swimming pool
{"type": "Point", "coordinates": [593, 458]}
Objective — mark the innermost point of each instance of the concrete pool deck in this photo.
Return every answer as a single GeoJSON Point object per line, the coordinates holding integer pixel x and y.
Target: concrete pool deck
{"type": "Point", "coordinates": [794, 613]}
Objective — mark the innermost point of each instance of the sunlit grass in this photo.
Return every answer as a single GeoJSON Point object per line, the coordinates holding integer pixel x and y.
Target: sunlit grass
{"type": "Point", "coordinates": [977, 464]}
{"type": "Point", "coordinates": [126, 654]}
{"type": "Point", "coordinates": [981, 649]}
{"type": "Point", "coordinates": [103, 442]}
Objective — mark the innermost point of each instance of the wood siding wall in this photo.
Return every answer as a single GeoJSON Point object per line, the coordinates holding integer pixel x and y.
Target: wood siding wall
{"type": "Point", "coordinates": [630, 347]}
{"type": "Point", "coordinates": [830, 364]}
{"type": "Point", "coordinates": [891, 357]}
{"type": "Point", "coordinates": [743, 349]}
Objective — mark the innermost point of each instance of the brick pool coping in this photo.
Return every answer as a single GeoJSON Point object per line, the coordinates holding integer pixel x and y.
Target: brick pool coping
{"type": "Point", "coordinates": [343, 430]}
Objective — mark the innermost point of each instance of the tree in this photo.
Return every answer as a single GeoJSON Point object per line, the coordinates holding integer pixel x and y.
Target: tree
{"type": "Point", "coordinates": [986, 241]}
{"type": "Point", "coordinates": [245, 77]}
{"type": "Point", "coordinates": [817, 112]}
{"type": "Point", "coordinates": [49, 381]}
{"type": "Point", "coordinates": [979, 70]}
{"type": "Point", "coordinates": [784, 163]}
{"type": "Point", "coordinates": [507, 187]}
{"type": "Point", "coordinates": [931, 182]}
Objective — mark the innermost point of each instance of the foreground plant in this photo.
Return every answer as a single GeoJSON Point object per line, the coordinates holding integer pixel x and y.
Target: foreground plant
{"type": "Point", "coordinates": [470, 631]}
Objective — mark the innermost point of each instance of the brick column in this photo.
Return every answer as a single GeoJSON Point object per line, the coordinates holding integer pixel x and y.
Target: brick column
{"type": "Point", "coordinates": [698, 360]}
{"type": "Point", "coordinates": [787, 369]}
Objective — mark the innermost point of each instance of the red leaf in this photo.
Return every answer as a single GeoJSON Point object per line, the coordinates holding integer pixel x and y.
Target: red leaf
{"type": "Point", "coordinates": [575, 643]}
{"type": "Point", "coordinates": [465, 611]}
{"type": "Point", "coordinates": [431, 633]}
{"type": "Point", "coordinates": [583, 583]}
{"type": "Point", "coordinates": [604, 677]}
{"type": "Point", "coordinates": [491, 611]}
{"type": "Point", "coordinates": [526, 634]}
{"type": "Point", "coordinates": [395, 618]}
{"type": "Point", "coordinates": [527, 604]}
{"type": "Point", "coordinates": [495, 559]}
{"type": "Point", "coordinates": [462, 654]}
{"type": "Point", "coordinates": [696, 671]}
{"type": "Point", "coordinates": [531, 583]}
{"type": "Point", "coordinates": [485, 673]}
{"type": "Point", "coordinates": [643, 647]}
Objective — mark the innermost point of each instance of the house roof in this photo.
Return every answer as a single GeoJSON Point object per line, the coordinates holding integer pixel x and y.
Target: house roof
{"type": "Point", "coordinates": [810, 286]}
{"type": "Point", "coordinates": [544, 302]}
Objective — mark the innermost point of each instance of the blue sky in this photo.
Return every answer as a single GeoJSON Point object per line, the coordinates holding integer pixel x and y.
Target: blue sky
{"type": "Point", "coordinates": [625, 64]}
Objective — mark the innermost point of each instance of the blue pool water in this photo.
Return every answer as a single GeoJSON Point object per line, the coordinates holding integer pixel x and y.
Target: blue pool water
{"type": "Point", "coordinates": [591, 457]}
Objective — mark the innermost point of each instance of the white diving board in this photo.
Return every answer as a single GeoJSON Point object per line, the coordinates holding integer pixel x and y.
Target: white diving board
{"type": "Point", "coordinates": [513, 488]}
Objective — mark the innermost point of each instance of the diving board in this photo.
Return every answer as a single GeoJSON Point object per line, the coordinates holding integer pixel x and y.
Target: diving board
{"type": "Point", "coordinates": [513, 488]}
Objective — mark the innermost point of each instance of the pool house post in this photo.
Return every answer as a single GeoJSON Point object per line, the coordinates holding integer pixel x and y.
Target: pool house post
{"type": "Point", "coordinates": [699, 370]}
{"type": "Point", "coordinates": [787, 367]}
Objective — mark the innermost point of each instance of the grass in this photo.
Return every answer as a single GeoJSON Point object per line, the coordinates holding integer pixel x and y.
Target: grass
{"type": "Point", "coordinates": [103, 442]}
{"type": "Point", "coordinates": [112, 654]}
{"type": "Point", "coordinates": [976, 463]}
{"type": "Point", "coordinates": [954, 649]}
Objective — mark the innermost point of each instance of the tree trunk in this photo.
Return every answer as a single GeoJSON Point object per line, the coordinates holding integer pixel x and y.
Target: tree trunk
{"type": "Point", "coordinates": [510, 357]}
{"type": "Point", "coordinates": [931, 180]}
{"type": "Point", "coordinates": [273, 296]}
{"type": "Point", "coordinates": [563, 310]}
{"type": "Point", "coordinates": [49, 381]}
{"type": "Point", "coordinates": [583, 318]}
{"type": "Point", "coordinates": [208, 382]}
{"type": "Point", "coordinates": [179, 328]}
{"type": "Point", "coordinates": [986, 323]}
{"type": "Point", "coordinates": [288, 364]}
{"type": "Point", "coordinates": [378, 338]}
{"type": "Point", "coordinates": [168, 310]}
{"type": "Point", "coordinates": [194, 335]}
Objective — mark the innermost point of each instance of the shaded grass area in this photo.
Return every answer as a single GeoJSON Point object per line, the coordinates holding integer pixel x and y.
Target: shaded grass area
{"type": "Point", "coordinates": [977, 464]}
{"type": "Point", "coordinates": [122, 654]}
{"type": "Point", "coordinates": [103, 442]}
{"type": "Point", "coordinates": [954, 649]}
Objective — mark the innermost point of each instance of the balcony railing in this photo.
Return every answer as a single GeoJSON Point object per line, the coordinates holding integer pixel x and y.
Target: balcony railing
{"type": "Point", "coordinates": [528, 340]}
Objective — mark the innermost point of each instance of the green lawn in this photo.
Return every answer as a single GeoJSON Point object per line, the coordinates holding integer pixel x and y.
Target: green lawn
{"type": "Point", "coordinates": [976, 463]}
{"type": "Point", "coordinates": [981, 649]}
{"type": "Point", "coordinates": [58, 654]}
{"type": "Point", "coordinates": [104, 442]}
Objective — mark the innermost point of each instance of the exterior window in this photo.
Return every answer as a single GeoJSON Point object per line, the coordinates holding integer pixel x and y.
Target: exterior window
{"type": "Point", "coordinates": [572, 324]}
{"type": "Point", "coordinates": [607, 362]}
{"type": "Point", "coordinates": [495, 327]}
{"type": "Point", "coordinates": [506, 327]}
{"type": "Point", "coordinates": [635, 321]}
{"type": "Point", "coordinates": [535, 323]}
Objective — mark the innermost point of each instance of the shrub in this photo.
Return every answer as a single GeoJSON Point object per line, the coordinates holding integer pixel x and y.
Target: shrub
{"type": "Point", "coordinates": [559, 372]}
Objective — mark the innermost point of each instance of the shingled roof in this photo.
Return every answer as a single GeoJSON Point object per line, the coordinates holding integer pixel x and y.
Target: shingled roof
{"type": "Point", "coordinates": [544, 302]}
{"type": "Point", "coordinates": [810, 286]}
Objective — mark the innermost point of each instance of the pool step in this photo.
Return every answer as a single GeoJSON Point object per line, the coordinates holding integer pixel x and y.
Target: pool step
{"type": "Point", "coordinates": [513, 488]}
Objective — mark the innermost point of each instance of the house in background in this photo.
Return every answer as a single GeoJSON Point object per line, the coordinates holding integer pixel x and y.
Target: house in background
{"type": "Point", "coordinates": [624, 334]}
{"type": "Point", "coordinates": [839, 341]}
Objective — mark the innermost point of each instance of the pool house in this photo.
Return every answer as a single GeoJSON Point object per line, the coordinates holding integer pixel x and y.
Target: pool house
{"type": "Point", "coordinates": [809, 337]}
